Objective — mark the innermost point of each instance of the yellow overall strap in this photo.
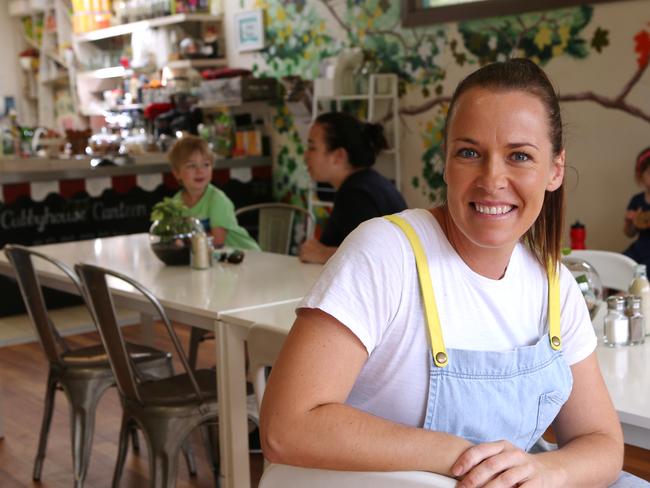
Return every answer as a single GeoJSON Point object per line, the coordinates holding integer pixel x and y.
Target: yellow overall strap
{"type": "Point", "coordinates": [430, 309]}
{"type": "Point", "coordinates": [554, 307]}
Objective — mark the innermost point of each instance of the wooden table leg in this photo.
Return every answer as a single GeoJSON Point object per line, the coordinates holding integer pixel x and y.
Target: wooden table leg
{"type": "Point", "coordinates": [233, 419]}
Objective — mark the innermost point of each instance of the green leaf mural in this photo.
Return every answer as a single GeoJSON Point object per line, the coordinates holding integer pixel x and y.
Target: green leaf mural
{"type": "Point", "coordinates": [301, 34]}
{"type": "Point", "coordinates": [432, 159]}
{"type": "Point", "coordinates": [538, 36]}
{"type": "Point", "coordinates": [291, 181]}
{"type": "Point", "coordinates": [297, 40]}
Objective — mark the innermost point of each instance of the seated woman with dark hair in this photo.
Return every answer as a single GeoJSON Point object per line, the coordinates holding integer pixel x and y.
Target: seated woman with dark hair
{"type": "Point", "coordinates": [341, 151]}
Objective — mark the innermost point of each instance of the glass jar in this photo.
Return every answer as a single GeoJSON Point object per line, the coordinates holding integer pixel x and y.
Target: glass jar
{"type": "Point", "coordinates": [171, 239]}
{"type": "Point", "coordinates": [588, 280]}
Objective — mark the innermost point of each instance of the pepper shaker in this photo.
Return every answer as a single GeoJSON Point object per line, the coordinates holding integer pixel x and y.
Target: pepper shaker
{"type": "Point", "coordinates": [200, 257]}
{"type": "Point", "coordinates": [636, 319]}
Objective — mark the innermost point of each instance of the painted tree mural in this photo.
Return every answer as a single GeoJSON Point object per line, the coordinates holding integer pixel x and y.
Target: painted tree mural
{"type": "Point", "coordinates": [301, 34]}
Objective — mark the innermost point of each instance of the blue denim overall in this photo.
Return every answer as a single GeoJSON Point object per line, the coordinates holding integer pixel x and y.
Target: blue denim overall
{"type": "Point", "coordinates": [486, 396]}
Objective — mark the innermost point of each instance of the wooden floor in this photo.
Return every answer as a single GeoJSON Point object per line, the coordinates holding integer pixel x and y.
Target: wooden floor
{"type": "Point", "coordinates": [22, 379]}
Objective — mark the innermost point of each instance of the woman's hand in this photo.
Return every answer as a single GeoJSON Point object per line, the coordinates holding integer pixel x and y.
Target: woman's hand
{"type": "Point", "coordinates": [500, 464]}
{"type": "Point", "coordinates": [312, 251]}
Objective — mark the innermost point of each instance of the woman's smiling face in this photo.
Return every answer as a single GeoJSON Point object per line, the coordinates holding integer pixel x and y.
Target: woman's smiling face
{"type": "Point", "coordinates": [499, 164]}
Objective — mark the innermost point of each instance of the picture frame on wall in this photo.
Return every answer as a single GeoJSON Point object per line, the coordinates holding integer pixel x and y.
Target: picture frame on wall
{"type": "Point", "coordinates": [249, 30]}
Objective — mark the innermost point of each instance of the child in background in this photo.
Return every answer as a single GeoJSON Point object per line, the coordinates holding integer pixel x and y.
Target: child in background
{"type": "Point", "coordinates": [637, 217]}
{"type": "Point", "coordinates": [191, 161]}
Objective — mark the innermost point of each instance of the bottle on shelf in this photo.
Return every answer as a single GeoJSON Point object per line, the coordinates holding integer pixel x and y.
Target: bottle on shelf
{"type": "Point", "coordinates": [640, 287]}
{"type": "Point", "coordinates": [14, 132]}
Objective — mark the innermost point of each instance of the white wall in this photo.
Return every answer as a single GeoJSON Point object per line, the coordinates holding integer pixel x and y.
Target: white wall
{"type": "Point", "coordinates": [235, 58]}
{"type": "Point", "coordinates": [602, 144]}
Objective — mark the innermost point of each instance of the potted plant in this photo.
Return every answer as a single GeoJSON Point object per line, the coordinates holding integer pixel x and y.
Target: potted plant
{"type": "Point", "coordinates": [171, 232]}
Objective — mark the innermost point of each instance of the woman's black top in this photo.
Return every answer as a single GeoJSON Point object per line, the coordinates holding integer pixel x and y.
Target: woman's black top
{"type": "Point", "coordinates": [365, 194]}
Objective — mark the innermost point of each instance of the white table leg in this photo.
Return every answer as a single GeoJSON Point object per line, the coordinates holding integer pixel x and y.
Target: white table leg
{"type": "Point", "coordinates": [146, 328]}
{"type": "Point", "coordinates": [233, 422]}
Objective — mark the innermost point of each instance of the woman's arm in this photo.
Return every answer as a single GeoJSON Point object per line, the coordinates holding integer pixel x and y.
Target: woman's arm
{"type": "Point", "coordinates": [589, 436]}
{"type": "Point", "coordinates": [312, 251]}
{"type": "Point", "coordinates": [305, 422]}
{"type": "Point", "coordinates": [588, 430]}
{"type": "Point", "coordinates": [630, 229]}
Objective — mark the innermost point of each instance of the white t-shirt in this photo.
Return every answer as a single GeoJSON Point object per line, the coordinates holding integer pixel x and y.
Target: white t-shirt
{"type": "Point", "coordinates": [371, 286]}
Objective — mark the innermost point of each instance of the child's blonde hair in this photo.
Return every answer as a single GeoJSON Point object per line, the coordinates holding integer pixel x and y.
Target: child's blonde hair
{"type": "Point", "coordinates": [183, 149]}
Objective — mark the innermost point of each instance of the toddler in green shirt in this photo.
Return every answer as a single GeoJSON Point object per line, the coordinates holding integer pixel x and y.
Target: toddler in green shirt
{"type": "Point", "coordinates": [191, 161]}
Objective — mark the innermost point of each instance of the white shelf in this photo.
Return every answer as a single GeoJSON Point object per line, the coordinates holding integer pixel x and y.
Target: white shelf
{"type": "Point", "coordinates": [121, 71]}
{"type": "Point", "coordinates": [322, 203]}
{"type": "Point", "coordinates": [233, 102]}
{"type": "Point", "coordinates": [21, 8]}
{"type": "Point", "coordinates": [197, 63]}
{"type": "Point", "coordinates": [106, 73]}
{"type": "Point", "coordinates": [60, 78]}
{"type": "Point", "coordinates": [126, 29]}
{"type": "Point", "coordinates": [354, 97]}
{"type": "Point", "coordinates": [130, 106]}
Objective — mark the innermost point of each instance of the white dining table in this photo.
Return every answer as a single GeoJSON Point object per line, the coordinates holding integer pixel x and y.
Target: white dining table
{"type": "Point", "coordinates": [199, 298]}
{"type": "Point", "coordinates": [626, 371]}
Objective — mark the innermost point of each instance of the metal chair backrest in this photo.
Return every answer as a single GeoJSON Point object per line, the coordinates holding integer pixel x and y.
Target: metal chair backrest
{"type": "Point", "coordinates": [615, 270]}
{"type": "Point", "coordinates": [276, 224]}
{"type": "Point", "coordinates": [263, 344]}
{"type": "Point", "coordinates": [100, 300]}
{"type": "Point", "coordinates": [20, 258]}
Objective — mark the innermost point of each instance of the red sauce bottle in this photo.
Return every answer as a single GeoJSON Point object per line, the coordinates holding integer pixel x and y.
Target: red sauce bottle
{"type": "Point", "coordinates": [578, 235]}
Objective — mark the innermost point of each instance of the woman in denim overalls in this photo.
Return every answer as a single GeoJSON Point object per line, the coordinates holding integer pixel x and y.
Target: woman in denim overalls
{"type": "Point", "coordinates": [368, 380]}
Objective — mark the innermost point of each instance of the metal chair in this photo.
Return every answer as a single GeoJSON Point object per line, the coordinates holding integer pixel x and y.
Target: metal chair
{"type": "Point", "coordinates": [84, 374]}
{"type": "Point", "coordinates": [276, 224]}
{"type": "Point", "coordinates": [281, 476]}
{"type": "Point", "coordinates": [166, 409]}
{"type": "Point", "coordinates": [615, 270]}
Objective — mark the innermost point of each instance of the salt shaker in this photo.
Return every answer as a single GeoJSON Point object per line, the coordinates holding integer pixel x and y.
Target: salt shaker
{"type": "Point", "coordinates": [200, 257]}
{"type": "Point", "coordinates": [635, 318]}
{"type": "Point", "coordinates": [617, 325]}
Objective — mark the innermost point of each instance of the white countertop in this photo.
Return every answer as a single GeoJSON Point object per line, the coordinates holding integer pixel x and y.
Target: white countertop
{"type": "Point", "coordinates": [48, 169]}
